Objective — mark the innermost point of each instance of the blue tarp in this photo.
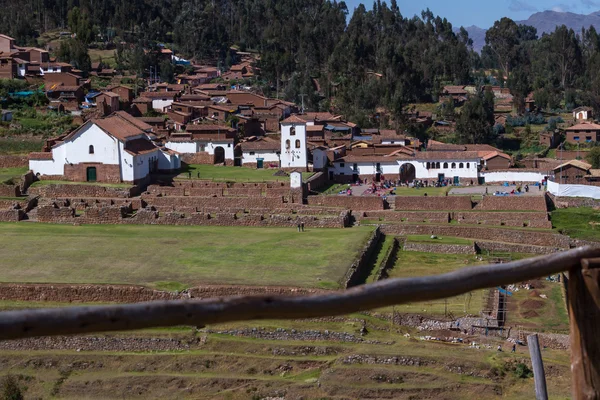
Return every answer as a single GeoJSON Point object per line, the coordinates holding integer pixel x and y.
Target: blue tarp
{"type": "Point", "coordinates": [337, 128]}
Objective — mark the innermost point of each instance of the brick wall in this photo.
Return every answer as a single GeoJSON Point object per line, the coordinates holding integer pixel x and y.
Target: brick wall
{"type": "Point", "coordinates": [359, 270]}
{"type": "Point", "coordinates": [440, 217]}
{"type": "Point", "coordinates": [450, 203]}
{"type": "Point", "coordinates": [517, 219]}
{"type": "Point", "coordinates": [54, 213]}
{"type": "Point", "coordinates": [487, 233]}
{"type": "Point", "coordinates": [198, 158]}
{"type": "Point", "coordinates": [317, 181]}
{"type": "Point", "coordinates": [484, 246]}
{"type": "Point", "coordinates": [565, 202]}
{"type": "Point", "coordinates": [9, 161]}
{"type": "Point", "coordinates": [498, 203]}
{"type": "Point", "coordinates": [348, 202]}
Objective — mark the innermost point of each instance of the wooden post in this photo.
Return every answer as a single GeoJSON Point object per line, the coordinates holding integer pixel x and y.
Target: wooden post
{"type": "Point", "coordinates": [541, 392]}
{"type": "Point", "coordinates": [584, 313]}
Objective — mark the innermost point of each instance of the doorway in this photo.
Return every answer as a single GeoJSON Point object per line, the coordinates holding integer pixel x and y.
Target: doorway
{"type": "Point", "coordinates": [219, 155]}
{"type": "Point", "coordinates": [260, 163]}
{"type": "Point", "coordinates": [441, 178]}
{"type": "Point", "coordinates": [91, 174]}
{"type": "Point", "coordinates": [408, 173]}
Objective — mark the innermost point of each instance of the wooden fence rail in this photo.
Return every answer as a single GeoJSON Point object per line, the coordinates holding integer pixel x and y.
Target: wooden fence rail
{"type": "Point", "coordinates": [583, 292]}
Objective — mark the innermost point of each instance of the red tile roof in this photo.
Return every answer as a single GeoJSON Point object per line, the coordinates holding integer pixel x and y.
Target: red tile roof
{"type": "Point", "coordinates": [294, 119]}
{"type": "Point", "coordinates": [140, 146]}
{"type": "Point", "coordinates": [40, 155]}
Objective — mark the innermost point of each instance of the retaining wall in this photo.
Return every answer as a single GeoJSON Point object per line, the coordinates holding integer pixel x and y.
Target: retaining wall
{"type": "Point", "coordinates": [406, 216]}
{"type": "Point", "coordinates": [359, 270]}
{"type": "Point", "coordinates": [9, 191]}
{"type": "Point", "coordinates": [430, 203]}
{"type": "Point", "coordinates": [13, 215]}
{"type": "Point", "coordinates": [348, 202]}
{"type": "Point", "coordinates": [10, 161]}
{"type": "Point", "coordinates": [492, 234]}
{"type": "Point", "coordinates": [500, 203]}
{"type": "Point", "coordinates": [69, 191]}
{"type": "Point", "coordinates": [389, 260]}
{"type": "Point", "coordinates": [484, 246]}
{"type": "Point", "coordinates": [439, 248]}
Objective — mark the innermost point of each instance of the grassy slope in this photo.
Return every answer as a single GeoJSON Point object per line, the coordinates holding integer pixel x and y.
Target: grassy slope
{"type": "Point", "coordinates": [580, 223]}
{"type": "Point", "coordinates": [10, 173]}
{"type": "Point", "coordinates": [166, 255]}
{"type": "Point", "coordinates": [20, 146]}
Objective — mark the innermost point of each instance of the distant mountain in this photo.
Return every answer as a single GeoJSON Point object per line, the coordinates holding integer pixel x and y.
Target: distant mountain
{"type": "Point", "coordinates": [544, 22]}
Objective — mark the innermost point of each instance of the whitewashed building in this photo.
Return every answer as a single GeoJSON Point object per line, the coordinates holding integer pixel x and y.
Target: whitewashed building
{"type": "Point", "coordinates": [219, 148]}
{"type": "Point", "coordinates": [260, 153]}
{"type": "Point", "coordinates": [117, 148]}
{"type": "Point", "coordinates": [294, 152]}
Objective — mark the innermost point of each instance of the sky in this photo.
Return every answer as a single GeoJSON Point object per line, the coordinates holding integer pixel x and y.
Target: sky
{"type": "Point", "coordinates": [483, 13]}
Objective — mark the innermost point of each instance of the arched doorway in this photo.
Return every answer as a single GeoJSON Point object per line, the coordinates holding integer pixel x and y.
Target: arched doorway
{"type": "Point", "coordinates": [408, 173]}
{"type": "Point", "coordinates": [219, 155]}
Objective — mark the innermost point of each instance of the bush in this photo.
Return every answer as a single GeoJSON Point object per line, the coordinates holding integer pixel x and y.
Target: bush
{"type": "Point", "coordinates": [11, 389]}
{"type": "Point", "coordinates": [522, 371]}
{"type": "Point", "coordinates": [527, 119]}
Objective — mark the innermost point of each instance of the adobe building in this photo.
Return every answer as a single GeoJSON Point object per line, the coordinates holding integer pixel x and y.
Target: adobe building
{"type": "Point", "coordinates": [582, 133]}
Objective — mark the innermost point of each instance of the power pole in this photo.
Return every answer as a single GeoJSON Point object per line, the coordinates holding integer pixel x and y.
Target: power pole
{"type": "Point", "coordinates": [302, 96]}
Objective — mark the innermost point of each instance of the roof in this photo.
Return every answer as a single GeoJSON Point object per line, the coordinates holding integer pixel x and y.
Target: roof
{"type": "Point", "coordinates": [447, 155]}
{"type": "Point", "coordinates": [320, 116]}
{"type": "Point", "coordinates": [140, 146]}
{"type": "Point", "coordinates": [575, 163]}
{"type": "Point", "coordinates": [109, 94]}
{"type": "Point", "coordinates": [584, 126]}
{"type": "Point", "coordinates": [142, 99]}
{"type": "Point", "coordinates": [294, 119]}
{"type": "Point", "coordinates": [390, 134]}
{"type": "Point", "coordinates": [152, 120]}
{"type": "Point", "coordinates": [65, 89]}
{"type": "Point", "coordinates": [261, 144]}
{"type": "Point", "coordinates": [40, 155]}
{"type": "Point", "coordinates": [315, 128]}
{"type": "Point", "coordinates": [437, 147]}
{"type": "Point", "coordinates": [493, 154]}
{"type": "Point", "coordinates": [594, 173]}
{"type": "Point", "coordinates": [133, 120]}
{"type": "Point", "coordinates": [6, 37]}
{"type": "Point", "coordinates": [583, 109]}
{"type": "Point", "coordinates": [454, 89]}
{"type": "Point", "coordinates": [368, 159]}
{"type": "Point", "coordinates": [207, 128]}
{"type": "Point", "coordinates": [119, 125]}
{"type": "Point", "coordinates": [223, 108]}
{"type": "Point", "coordinates": [158, 95]}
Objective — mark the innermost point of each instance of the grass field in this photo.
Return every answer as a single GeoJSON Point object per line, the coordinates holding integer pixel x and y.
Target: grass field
{"type": "Point", "coordinates": [178, 257]}
{"type": "Point", "coordinates": [579, 223]}
{"type": "Point", "coordinates": [11, 173]}
{"type": "Point", "coordinates": [526, 308]}
{"type": "Point", "coordinates": [234, 174]}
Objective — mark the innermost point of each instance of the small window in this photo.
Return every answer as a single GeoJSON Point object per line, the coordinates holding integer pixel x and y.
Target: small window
{"type": "Point", "coordinates": [453, 165]}
{"type": "Point", "coordinates": [342, 165]}
{"type": "Point", "coordinates": [445, 165]}
{"type": "Point", "coordinates": [297, 143]}
{"type": "Point", "coordinates": [252, 153]}
{"type": "Point", "coordinates": [91, 149]}
{"type": "Point", "coordinates": [293, 131]}
{"type": "Point", "coordinates": [202, 148]}
{"type": "Point", "coordinates": [428, 165]}
{"type": "Point", "coordinates": [228, 144]}
{"type": "Point", "coordinates": [468, 166]}
{"type": "Point", "coordinates": [287, 144]}
{"type": "Point", "coordinates": [355, 167]}
{"type": "Point", "coordinates": [576, 138]}
{"type": "Point", "coordinates": [437, 165]}
{"type": "Point", "coordinates": [392, 142]}
{"type": "Point", "coordinates": [578, 176]}
{"type": "Point", "coordinates": [588, 138]}
{"type": "Point", "coordinates": [461, 165]}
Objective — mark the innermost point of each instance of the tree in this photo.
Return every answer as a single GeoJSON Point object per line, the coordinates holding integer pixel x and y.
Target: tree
{"type": "Point", "coordinates": [476, 122]}
{"type": "Point", "coordinates": [503, 41]}
{"type": "Point", "coordinates": [167, 71]}
{"type": "Point", "coordinates": [593, 157]}
{"type": "Point", "coordinates": [74, 52]}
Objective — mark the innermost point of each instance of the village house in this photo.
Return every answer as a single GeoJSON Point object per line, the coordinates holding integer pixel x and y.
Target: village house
{"type": "Point", "coordinates": [125, 93]}
{"type": "Point", "coordinates": [576, 172]}
{"type": "Point", "coordinates": [583, 113]}
{"type": "Point", "coordinates": [550, 139]}
{"type": "Point", "coordinates": [110, 99]}
{"type": "Point", "coordinates": [117, 148]}
{"type": "Point", "coordinates": [584, 132]}
{"type": "Point", "coordinates": [260, 152]}
{"type": "Point", "coordinates": [215, 142]}
{"type": "Point", "coordinates": [457, 93]}
{"type": "Point", "coordinates": [160, 100]}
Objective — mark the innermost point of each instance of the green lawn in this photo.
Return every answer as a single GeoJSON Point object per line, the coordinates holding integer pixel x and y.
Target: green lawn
{"type": "Point", "coordinates": [176, 257]}
{"type": "Point", "coordinates": [16, 145]}
{"type": "Point", "coordinates": [439, 240]}
{"type": "Point", "coordinates": [234, 174]}
{"type": "Point", "coordinates": [11, 173]}
{"type": "Point", "coordinates": [580, 223]}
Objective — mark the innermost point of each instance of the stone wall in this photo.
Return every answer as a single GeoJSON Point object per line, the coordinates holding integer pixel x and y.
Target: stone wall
{"type": "Point", "coordinates": [54, 191]}
{"type": "Point", "coordinates": [516, 219]}
{"type": "Point", "coordinates": [430, 203]}
{"type": "Point", "coordinates": [499, 203]}
{"type": "Point", "coordinates": [13, 215]}
{"type": "Point", "coordinates": [317, 181]}
{"type": "Point", "coordinates": [439, 248]}
{"type": "Point", "coordinates": [438, 217]}
{"type": "Point", "coordinates": [348, 202]}
{"type": "Point", "coordinates": [9, 191]}
{"type": "Point", "coordinates": [388, 261]}
{"type": "Point", "coordinates": [533, 238]}
{"type": "Point", "coordinates": [107, 173]}
{"type": "Point", "coordinates": [26, 180]}
{"type": "Point", "coordinates": [54, 213]}
{"type": "Point", "coordinates": [10, 161]}
{"type": "Point", "coordinates": [485, 246]}
{"type": "Point", "coordinates": [359, 270]}
{"type": "Point", "coordinates": [198, 158]}
{"type": "Point", "coordinates": [566, 202]}
{"type": "Point", "coordinates": [132, 294]}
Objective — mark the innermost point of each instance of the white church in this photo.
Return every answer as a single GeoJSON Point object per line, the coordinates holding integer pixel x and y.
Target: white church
{"type": "Point", "coordinates": [112, 149]}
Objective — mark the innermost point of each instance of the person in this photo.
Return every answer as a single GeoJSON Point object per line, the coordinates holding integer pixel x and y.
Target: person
{"type": "Point", "coordinates": [499, 347]}
{"type": "Point", "coordinates": [189, 175]}
{"type": "Point", "coordinates": [198, 174]}
{"type": "Point", "coordinates": [526, 188]}
{"type": "Point", "coordinates": [540, 187]}
{"type": "Point", "coordinates": [298, 227]}
{"type": "Point", "coordinates": [514, 348]}
{"type": "Point", "coordinates": [486, 190]}
{"type": "Point", "coordinates": [302, 226]}
{"type": "Point", "coordinates": [425, 195]}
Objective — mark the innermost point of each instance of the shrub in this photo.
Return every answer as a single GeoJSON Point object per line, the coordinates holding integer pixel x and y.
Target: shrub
{"type": "Point", "coordinates": [522, 371]}
{"type": "Point", "coordinates": [11, 389]}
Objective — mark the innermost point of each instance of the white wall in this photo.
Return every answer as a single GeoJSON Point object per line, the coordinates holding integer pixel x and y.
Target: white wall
{"type": "Point", "coordinates": [367, 168]}
{"type": "Point", "coordinates": [319, 159]}
{"type": "Point", "coordinates": [210, 147]}
{"type": "Point", "coordinates": [432, 173]}
{"type": "Point", "coordinates": [160, 105]}
{"type": "Point", "coordinates": [267, 156]}
{"type": "Point", "coordinates": [168, 161]}
{"type": "Point", "coordinates": [512, 176]}
{"type": "Point", "coordinates": [394, 141]}
{"type": "Point", "coordinates": [127, 166]}
{"type": "Point", "coordinates": [556, 189]}
{"type": "Point", "coordinates": [183, 147]}
{"type": "Point", "coordinates": [293, 157]}
{"type": "Point", "coordinates": [47, 167]}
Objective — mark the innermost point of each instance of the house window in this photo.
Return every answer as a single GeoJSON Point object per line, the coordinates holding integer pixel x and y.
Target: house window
{"type": "Point", "coordinates": [355, 167]}
{"type": "Point", "coordinates": [228, 144]}
{"type": "Point", "coordinates": [342, 165]}
{"type": "Point", "coordinates": [91, 149]}
{"type": "Point", "coordinates": [297, 143]}
{"type": "Point", "coordinates": [428, 165]}
{"type": "Point", "coordinates": [287, 144]}
{"type": "Point", "coordinates": [468, 165]}
{"type": "Point", "coordinates": [588, 139]}
{"type": "Point", "coordinates": [251, 153]}
{"type": "Point", "coordinates": [202, 148]}
{"type": "Point", "coordinates": [445, 165]}
{"type": "Point", "coordinates": [293, 131]}
{"type": "Point", "coordinates": [392, 142]}
{"type": "Point", "coordinates": [578, 176]}
{"type": "Point", "coordinates": [378, 167]}
{"type": "Point", "coordinates": [461, 165]}
{"type": "Point", "coordinates": [576, 138]}
{"type": "Point", "coordinates": [437, 165]}
{"type": "Point", "coordinates": [453, 165]}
